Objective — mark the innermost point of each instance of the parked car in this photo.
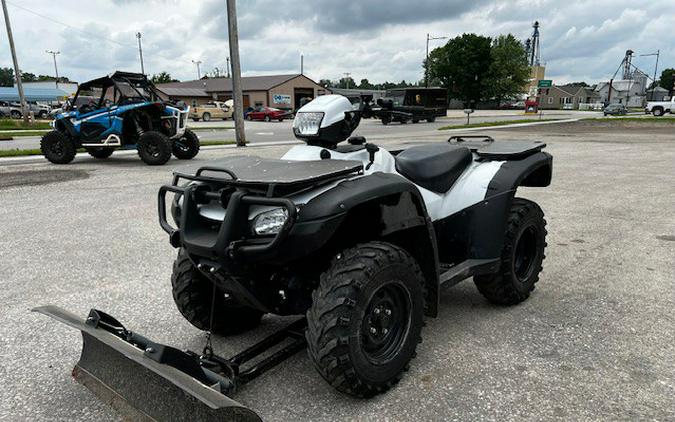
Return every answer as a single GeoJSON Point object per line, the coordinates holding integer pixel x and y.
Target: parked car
{"type": "Point", "coordinates": [615, 109]}
{"type": "Point", "coordinates": [10, 110]}
{"type": "Point", "coordinates": [267, 114]}
{"type": "Point", "coordinates": [212, 110]}
{"type": "Point", "coordinates": [659, 108]}
{"type": "Point", "coordinates": [41, 111]}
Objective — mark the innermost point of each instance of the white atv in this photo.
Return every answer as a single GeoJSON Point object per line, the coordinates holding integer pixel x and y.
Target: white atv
{"type": "Point", "coordinates": [356, 238]}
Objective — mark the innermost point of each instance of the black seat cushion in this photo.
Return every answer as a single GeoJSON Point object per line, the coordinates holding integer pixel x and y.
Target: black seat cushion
{"type": "Point", "coordinates": [435, 167]}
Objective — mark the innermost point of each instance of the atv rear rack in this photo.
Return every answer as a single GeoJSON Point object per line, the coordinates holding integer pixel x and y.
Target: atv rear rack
{"type": "Point", "coordinates": [143, 379]}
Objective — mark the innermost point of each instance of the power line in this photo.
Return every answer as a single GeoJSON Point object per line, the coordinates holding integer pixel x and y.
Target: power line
{"type": "Point", "coordinates": [92, 34]}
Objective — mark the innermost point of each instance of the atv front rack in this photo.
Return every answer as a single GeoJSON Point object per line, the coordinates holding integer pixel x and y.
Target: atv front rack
{"type": "Point", "coordinates": [145, 380]}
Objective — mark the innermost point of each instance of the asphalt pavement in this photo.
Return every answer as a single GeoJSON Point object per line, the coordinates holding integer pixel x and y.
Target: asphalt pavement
{"type": "Point", "coordinates": [594, 341]}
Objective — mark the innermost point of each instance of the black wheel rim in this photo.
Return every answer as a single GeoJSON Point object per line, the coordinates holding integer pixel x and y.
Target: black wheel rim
{"type": "Point", "coordinates": [385, 323]}
{"type": "Point", "coordinates": [526, 253]}
{"type": "Point", "coordinates": [152, 149]}
{"type": "Point", "coordinates": [56, 148]}
{"type": "Point", "coordinates": [181, 145]}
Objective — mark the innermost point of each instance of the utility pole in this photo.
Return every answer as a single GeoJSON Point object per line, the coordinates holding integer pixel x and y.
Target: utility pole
{"type": "Point", "coordinates": [302, 64]}
{"type": "Point", "coordinates": [140, 51]}
{"type": "Point", "coordinates": [426, 63]}
{"type": "Point", "coordinates": [198, 62]}
{"type": "Point", "coordinates": [228, 67]}
{"type": "Point", "coordinates": [56, 69]}
{"type": "Point", "coordinates": [347, 75]}
{"type": "Point", "coordinates": [237, 95]}
{"type": "Point", "coordinates": [17, 71]}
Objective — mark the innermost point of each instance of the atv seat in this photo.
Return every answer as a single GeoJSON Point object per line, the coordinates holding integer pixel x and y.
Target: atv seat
{"type": "Point", "coordinates": [435, 167]}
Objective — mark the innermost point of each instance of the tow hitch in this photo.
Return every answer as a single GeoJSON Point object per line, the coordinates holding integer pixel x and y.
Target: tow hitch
{"type": "Point", "coordinates": [145, 380]}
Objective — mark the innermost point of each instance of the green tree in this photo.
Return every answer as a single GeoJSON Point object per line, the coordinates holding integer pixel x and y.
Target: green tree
{"type": "Point", "coordinates": [667, 79]}
{"type": "Point", "coordinates": [162, 78]}
{"type": "Point", "coordinates": [28, 77]}
{"type": "Point", "coordinates": [508, 72]}
{"type": "Point", "coordinates": [365, 84]}
{"type": "Point", "coordinates": [6, 76]}
{"type": "Point", "coordinates": [462, 66]}
{"type": "Point", "coordinates": [346, 83]}
{"type": "Point", "coordinates": [326, 83]}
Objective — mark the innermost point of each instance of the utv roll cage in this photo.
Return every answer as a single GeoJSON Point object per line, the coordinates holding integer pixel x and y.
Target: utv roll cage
{"type": "Point", "coordinates": [121, 82]}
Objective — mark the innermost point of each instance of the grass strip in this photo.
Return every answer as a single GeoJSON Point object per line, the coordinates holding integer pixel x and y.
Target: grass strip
{"type": "Point", "coordinates": [493, 124]}
{"type": "Point", "coordinates": [27, 152]}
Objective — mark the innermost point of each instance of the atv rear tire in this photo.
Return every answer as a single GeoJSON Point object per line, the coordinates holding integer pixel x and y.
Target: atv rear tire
{"type": "Point", "coordinates": [366, 318]}
{"type": "Point", "coordinates": [522, 256]}
{"type": "Point", "coordinates": [100, 152]}
{"type": "Point", "coordinates": [193, 295]}
{"type": "Point", "coordinates": [187, 146]}
{"type": "Point", "coordinates": [57, 147]}
{"type": "Point", "coordinates": [154, 148]}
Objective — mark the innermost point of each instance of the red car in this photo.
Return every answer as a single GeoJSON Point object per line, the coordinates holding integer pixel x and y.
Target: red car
{"type": "Point", "coordinates": [267, 114]}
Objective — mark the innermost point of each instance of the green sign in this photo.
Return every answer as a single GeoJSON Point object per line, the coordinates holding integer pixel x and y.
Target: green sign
{"type": "Point", "coordinates": [545, 83]}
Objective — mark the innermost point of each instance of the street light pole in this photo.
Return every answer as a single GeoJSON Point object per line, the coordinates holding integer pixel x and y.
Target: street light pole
{"type": "Point", "coordinates": [198, 62]}
{"type": "Point", "coordinates": [56, 69]}
{"type": "Point", "coordinates": [237, 95]}
{"type": "Point", "coordinates": [140, 51]}
{"type": "Point", "coordinates": [426, 63]}
{"type": "Point", "coordinates": [17, 71]}
{"type": "Point", "coordinates": [228, 67]}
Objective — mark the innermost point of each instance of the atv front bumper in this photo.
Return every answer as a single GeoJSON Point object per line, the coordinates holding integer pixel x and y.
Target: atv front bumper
{"type": "Point", "coordinates": [231, 243]}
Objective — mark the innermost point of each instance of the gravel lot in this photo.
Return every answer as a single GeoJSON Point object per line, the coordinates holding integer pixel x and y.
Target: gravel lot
{"type": "Point", "coordinates": [594, 342]}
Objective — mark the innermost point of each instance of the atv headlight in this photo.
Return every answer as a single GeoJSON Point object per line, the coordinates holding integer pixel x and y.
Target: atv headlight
{"type": "Point", "coordinates": [307, 123]}
{"type": "Point", "coordinates": [270, 222]}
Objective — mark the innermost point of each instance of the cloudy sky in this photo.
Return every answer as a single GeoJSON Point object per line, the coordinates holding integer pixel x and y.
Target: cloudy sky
{"type": "Point", "coordinates": [375, 39]}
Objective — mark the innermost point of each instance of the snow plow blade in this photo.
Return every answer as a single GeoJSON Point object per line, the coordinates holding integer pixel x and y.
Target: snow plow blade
{"type": "Point", "coordinates": [148, 381]}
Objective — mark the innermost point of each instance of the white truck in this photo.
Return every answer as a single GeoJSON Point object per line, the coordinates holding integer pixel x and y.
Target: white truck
{"type": "Point", "coordinates": [659, 108]}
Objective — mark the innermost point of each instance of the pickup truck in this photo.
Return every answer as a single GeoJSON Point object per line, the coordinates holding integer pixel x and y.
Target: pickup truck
{"type": "Point", "coordinates": [659, 108]}
{"type": "Point", "coordinates": [212, 110]}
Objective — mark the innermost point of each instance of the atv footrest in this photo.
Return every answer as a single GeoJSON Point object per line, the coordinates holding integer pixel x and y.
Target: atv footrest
{"type": "Point", "coordinates": [145, 380]}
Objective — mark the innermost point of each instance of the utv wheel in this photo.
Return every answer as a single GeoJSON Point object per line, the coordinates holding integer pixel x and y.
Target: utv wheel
{"type": "Point", "coordinates": [267, 118]}
{"type": "Point", "coordinates": [386, 120]}
{"type": "Point", "coordinates": [431, 119]}
{"type": "Point", "coordinates": [522, 256]}
{"type": "Point", "coordinates": [249, 117]}
{"type": "Point", "coordinates": [193, 295]}
{"type": "Point", "coordinates": [206, 117]}
{"type": "Point", "coordinates": [154, 148]}
{"type": "Point", "coordinates": [187, 146]}
{"type": "Point", "coordinates": [658, 112]}
{"type": "Point", "coordinates": [57, 147]}
{"type": "Point", "coordinates": [366, 318]}
{"type": "Point", "coordinates": [100, 152]}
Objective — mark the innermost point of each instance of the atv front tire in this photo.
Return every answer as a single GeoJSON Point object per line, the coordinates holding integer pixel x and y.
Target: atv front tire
{"type": "Point", "coordinates": [57, 147]}
{"type": "Point", "coordinates": [100, 152]}
{"type": "Point", "coordinates": [154, 148]}
{"type": "Point", "coordinates": [193, 295]}
{"type": "Point", "coordinates": [366, 318]}
{"type": "Point", "coordinates": [522, 256]}
{"type": "Point", "coordinates": [187, 146]}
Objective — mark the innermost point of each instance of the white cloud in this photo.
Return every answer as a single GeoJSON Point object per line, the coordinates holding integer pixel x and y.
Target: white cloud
{"type": "Point", "coordinates": [377, 39]}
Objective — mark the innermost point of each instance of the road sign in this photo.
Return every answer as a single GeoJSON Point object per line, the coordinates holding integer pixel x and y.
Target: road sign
{"type": "Point", "coordinates": [545, 83]}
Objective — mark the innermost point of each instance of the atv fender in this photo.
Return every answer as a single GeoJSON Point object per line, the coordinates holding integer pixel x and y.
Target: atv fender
{"type": "Point", "coordinates": [380, 206]}
{"type": "Point", "coordinates": [486, 221]}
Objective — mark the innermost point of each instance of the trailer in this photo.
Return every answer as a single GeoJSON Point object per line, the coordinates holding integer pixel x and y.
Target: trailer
{"type": "Point", "coordinates": [411, 105]}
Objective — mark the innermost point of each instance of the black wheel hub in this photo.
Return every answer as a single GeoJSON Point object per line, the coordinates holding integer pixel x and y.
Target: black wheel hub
{"type": "Point", "coordinates": [152, 149]}
{"type": "Point", "coordinates": [385, 323]}
{"type": "Point", "coordinates": [526, 254]}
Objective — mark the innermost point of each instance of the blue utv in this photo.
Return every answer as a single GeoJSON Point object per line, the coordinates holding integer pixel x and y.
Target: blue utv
{"type": "Point", "coordinates": [123, 110]}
